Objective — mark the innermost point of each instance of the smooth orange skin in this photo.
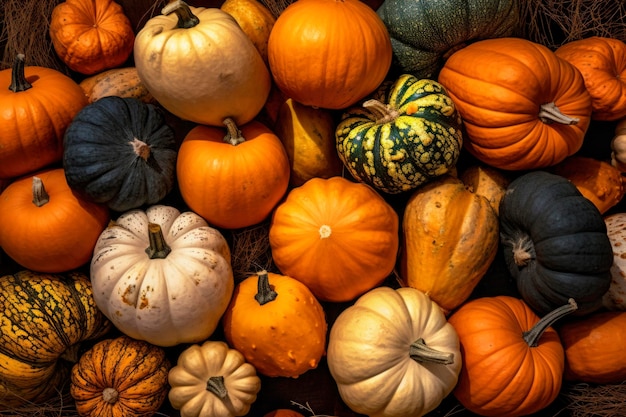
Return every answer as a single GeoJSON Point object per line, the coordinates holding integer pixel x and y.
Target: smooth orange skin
{"type": "Point", "coordinates": [232, 186]}
{"type": "Point", "coordinates": [56, 237]}
{"type": "Point", "coordinates": [283, 412]}
{"type": "Point", "coordinates": [499, 86]}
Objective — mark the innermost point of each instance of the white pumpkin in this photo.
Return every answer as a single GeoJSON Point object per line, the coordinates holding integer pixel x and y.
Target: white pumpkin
{"type": "Point", "coordinates": [393, 354]}
{"type": "Point", "coordinates": [618, 146]}
{"type": "Point", "coordinates": [615, 297]}
{"type": "Point", "coordinates": [212, 380]}
{"type": "Point", "coordinates": [162, 276]}
{"type": "Point", "coordinates": [206, 70]}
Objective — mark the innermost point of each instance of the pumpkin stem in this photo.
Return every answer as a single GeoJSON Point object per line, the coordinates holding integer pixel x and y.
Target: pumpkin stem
{"type": "Point", "coordinates": [40, 195]}
{"type": "Point", "coordinates": [550, 113]}
{"type": "Point", "coordinates": [533, 335]}
{"type": "Point", "coordinates": [158, 249]}
{"type": "Point", "coordinates": [265, 293]}
{"type": "Point", "coordinates": [234, 136]}
{"type": "Point", "coordinates": [18, 77]}
{"type": "Point", "coordinates": [523, 250]}
{"type": "Point", "coordinates": [110, 395]}
{"type": "Point", "coordinates": [420, 352]}
{"type": "Point", "coordinates": [186, 19]}
{"type": "Point", "coordinates": [216, 385]}
{"type": "Point", "coordinates": [381, 112]}
{"type": "Point", "coordinates": [141, 148]}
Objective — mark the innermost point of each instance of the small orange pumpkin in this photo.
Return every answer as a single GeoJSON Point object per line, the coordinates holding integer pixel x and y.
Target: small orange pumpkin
{"type": "Point", "coordinates": [91, 35]}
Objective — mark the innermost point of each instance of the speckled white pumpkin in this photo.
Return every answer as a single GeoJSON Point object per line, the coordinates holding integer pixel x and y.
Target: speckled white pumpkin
{"type": "Point", "coordinates": [615, 297]}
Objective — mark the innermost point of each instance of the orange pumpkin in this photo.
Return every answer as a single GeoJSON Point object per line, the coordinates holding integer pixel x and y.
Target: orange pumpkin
{"type": "Point", "coordinates": [36, 106]}
{"type": "Point", "coordinates": [283, 412]}
{"type": "Point", "coordinates": [91, 35]}
{"type": "Point", "coordinates": [513, 361]}
{"type": "Point", "coordinates": [342, 52]}
{"type": "Point", "coordinates": [233, 178]}
{"type": "Point", "coordinates": [522, 106]}
{"type": "Point", "coordinates": [45, 227]}
{"type": "Point", "coordinates": [338, 237]}
{"type": "Point", "coordinates": [602, 63]}
{"type": "Point", "coordinates": [255, 19]}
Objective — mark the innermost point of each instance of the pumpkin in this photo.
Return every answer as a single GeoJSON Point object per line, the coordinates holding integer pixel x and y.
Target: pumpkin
{"type": "Point", "coordinates": [162, 276]}
{"type": "Point", "coordinates": [213, 380]}
{"type": "Point", "coordinates": [424, 34]}
{"type": "Point", "coordinates": [308, 135]}
{"type": "Point", "coordinates": [594, 348]}
{"type": "Point", "coordinates": [597, 180]}
{"type": "Point", "coordinates": [45, 318]}
{"type": "Point", "coordinates": [393, 354]}
{"type": "Point", "coordinates": [486, 181]}
{"type": "Point", "coordinates": [255, 19]}
{"type": "Point", "coordinates": [120, 152]}
{"type": "Point", "coordinates": [201, 66]}
{"type": "Point", "coordinates": [91, 35]}
{"type": "Point", "coordinates": [450, 239]}
{"type": "Point", "coordinates": [120, 82]}
{"type": "Point", "coordinates": [42, 102]}
{"type": "Point", "coordinates": [531, 116]}
{"type": "Point", "coordinates": [339, 220]}
{"type": "Point", "coordinates": [602, 63]}
{"type": "Point", "coordinates": [120, 377]}
{"type": "Point", "coordinates": [408, 137]}
{"type": "Point", "coordinates": [232, 176]}
{"type": "Point", "coordinates": [276, 322]}
{"type": "Point", "coordinates": [46, 227]}
{"type": "Point", "coordinates": [615, 297]}
{"type": "Point", "coordinates": [513, 361]}
{"type": "Point", "coordinates": [618, 146]}
{"type": "Point", "coordinates": [283, 412]}
{"type": "Point", "coordinates": [343, 52]}
{"type": "Point", "coordinates": [555, 243]}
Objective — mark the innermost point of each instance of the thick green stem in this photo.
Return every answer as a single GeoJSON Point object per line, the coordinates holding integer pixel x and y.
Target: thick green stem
{"type": "Point", "coordinates": [550, 113]}
{"type": "Point", "coordinates": [18, 77]}
{"type": "Point", "coordinates": [381, 112]}
{"type": "Point", "coordinates": [215, 385]}
{"type": "Point", "coordinates": [158, 249]}
{"type": "Point", "coordinates": [420, 352]}
{"type": "Point", "coordinates": [233, 136]}
{"type": "Point", "coordinates": [533, 335]}
{"type": "Point", "coordinates": [265, 293]}
{"type": "Point", "coordinates": [186, 19]}
{"type": "Point", "coordinates": [40, 195]}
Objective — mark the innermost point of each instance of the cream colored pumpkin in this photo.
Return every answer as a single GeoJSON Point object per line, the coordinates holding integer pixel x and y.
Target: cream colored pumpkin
{"type": "Point", "coordinates": [162, 276]}
{"type": "Point", "coordinates": [393, 354]}
{"type": "Point", "coordinates": [212, 380]}
{"type": "Point", "coordinates": [615, 297]}
{"type": "Point", "coordinates": [205, 72]}
{"type": "Point", "coordinates": [618, 146]}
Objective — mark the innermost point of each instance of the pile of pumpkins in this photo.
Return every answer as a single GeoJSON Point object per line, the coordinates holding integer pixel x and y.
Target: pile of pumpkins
{"type": "Point", "coordinates": [436, 228]}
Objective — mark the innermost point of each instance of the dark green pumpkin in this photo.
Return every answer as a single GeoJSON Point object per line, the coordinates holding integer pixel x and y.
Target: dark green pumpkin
{"type": "Point", "coordinates": [409, 133]}
{"type": "Point", "coordinates": [555, 243]}
{"type": "Point", "coordinates": [120, 152]}
{"type": "Point", "coordinates": [424, 33]}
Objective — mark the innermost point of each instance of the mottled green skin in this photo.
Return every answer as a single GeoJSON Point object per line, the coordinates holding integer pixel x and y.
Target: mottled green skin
{"type": "Point", "coordinates": [424, 32]}
{"type": "Point", "coordinates": [423, 142]}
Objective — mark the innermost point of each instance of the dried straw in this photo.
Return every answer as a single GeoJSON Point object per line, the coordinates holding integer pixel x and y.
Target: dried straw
{"type": "Point", "coordinates": [251, 251]}
{"type": "Point", "coordinates": [589, 400]}
{"type": "Point", "coordinates": [276, 6]}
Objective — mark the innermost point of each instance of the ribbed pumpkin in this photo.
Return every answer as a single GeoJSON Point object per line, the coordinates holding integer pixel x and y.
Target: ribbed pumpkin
{"type": "Point", "coordinates": [450, 238]}
{"type": "Point", "coordinates": [486, 181]}
{"type": "Point", "coordinates": [201, 66]}
{"type": "Point", "coordinates": [46, 227]}
{"type": "Point", "coordinates": [533, 115]}
{"type": "Point", "coordinates": [255, 19]}
{"type": "Point", "coordinates": [233, 176]}
{"type": "Point", "coordinates": [328, 53]}
{"type": "Point", "coordinates": [41, 102]}
{"type": "Point", "coordinates": [555, 243]}
{"type": "Point", "coordinates": [44, 320]}
{"type": "Point", "coordinates": [338, 237]}
{"type": "Point", "coordinates": [120, 152]}
{"type": "Point", "coordinates": [407, 135]}
{"type": "Point", "coordinates": [120, 377]}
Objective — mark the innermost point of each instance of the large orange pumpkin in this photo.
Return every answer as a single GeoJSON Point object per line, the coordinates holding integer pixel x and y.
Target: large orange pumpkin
{"type": "Point", "coordinates": [329, 53]}
{"type": "Point", "coordinates": [522, 106]}
{"type": "Point", "coordinates": [91, 35]}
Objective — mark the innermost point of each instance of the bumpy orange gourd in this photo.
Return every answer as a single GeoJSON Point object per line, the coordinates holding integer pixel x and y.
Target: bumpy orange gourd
{"type": "Point", "coordinates": [486, 181]}
{"type": "Point", "coordinates": [277, 324]}
{"type": "Point", "coordinates": [522, 106]}
{"type": "Point", "coordinates": [602, 63]}
{"type": "Point", "coordinates": [91, 35]}
{"type": "Point", "coordinates": [329, 53]}
{"type": "Point", "coordinates": [45, 227]}
{"type": "Point", "coordinates": [120, 377]}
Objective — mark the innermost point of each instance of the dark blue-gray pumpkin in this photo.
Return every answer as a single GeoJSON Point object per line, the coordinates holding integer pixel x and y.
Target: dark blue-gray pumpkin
{"type": "Point", "coordinates": [120, 152]}
{"type": "Point", "coordinates": [555, 243]}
